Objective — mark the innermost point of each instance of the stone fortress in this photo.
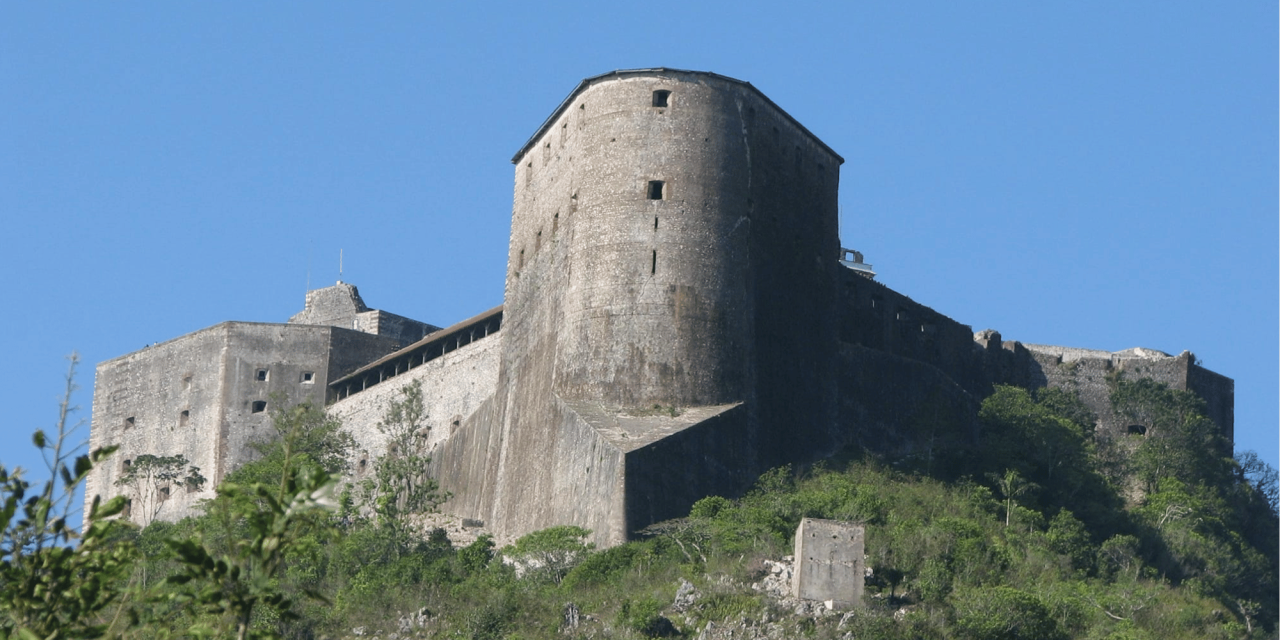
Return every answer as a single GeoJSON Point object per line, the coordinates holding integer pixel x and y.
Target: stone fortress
{"type": "Point", "coordinates": [678, 317]}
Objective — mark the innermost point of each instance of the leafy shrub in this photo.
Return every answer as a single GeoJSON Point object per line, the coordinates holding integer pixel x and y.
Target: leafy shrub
{"type": "Point", "coordinates": [709, 507]}
{"type": "Point", "coordinates": [550, 553]}
{"type": "Point", "coordinates": [645, 616]}
{"type": "Point", "coordinates": [1003, 613]}
{"type": "Point", "coordinates": [606, 566]}
{"type": "Point", "coordinates": [474, 557]}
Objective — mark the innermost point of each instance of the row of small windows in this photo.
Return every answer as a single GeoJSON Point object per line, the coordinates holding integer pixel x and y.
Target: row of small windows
{"type": "Point", "coordinates": [184, 417]}
{"type": "Point", "coordinates": [263, 375]}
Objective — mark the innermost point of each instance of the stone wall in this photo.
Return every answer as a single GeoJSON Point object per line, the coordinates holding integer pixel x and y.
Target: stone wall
{"type": "Point", "coordinates": [139, 402]}
{"type": "Point", "coordinates": [897, 406]}
{"type": "Point", "coordinates": [454, 385]}
{"type": "Point", "coordinates": [207, 394]}
{"type": "Point", "coordinates": [1090, 374]}
{"type": "Point", "coordinates": [335, 306]}
{"type": "Point", "coordinates": [876, 317]}
{"type": "Point", "coordinates": [665, 476]}
{"type": "Point", "coordinates": [403, 330]}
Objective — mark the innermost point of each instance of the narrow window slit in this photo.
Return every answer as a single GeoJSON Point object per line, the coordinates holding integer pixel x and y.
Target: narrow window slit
{"type": "Point", "coordinates": [653, 265]}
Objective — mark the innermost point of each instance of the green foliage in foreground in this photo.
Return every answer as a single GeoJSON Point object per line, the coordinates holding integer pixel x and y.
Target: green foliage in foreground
{"type": "Point", "coordinates": [1038, 541]}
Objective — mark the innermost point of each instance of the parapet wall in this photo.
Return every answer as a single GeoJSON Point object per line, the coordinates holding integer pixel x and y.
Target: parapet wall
{"type": "Point", "coordinates": [876, 317]}
{"type": "Point", "coordinates": [1090, 374]}
{"type": "Point", "coordinates": [164, 400]}
{"type": "Point", "coordinates": [454, 385]}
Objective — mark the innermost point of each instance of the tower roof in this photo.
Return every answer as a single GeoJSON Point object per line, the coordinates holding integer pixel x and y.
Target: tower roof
{"type": "Point", "coordinates": [656, 71]}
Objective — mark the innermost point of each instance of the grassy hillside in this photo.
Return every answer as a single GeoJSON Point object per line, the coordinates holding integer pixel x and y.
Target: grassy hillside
{"type": "Point", "coordinates": [1046, 530]}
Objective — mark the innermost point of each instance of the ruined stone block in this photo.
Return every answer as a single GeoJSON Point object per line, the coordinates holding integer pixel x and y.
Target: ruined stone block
{"type": "Point", "coordinates": [829, 562]}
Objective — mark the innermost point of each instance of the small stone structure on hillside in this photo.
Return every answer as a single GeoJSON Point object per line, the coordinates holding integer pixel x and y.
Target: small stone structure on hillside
{"type": "Point", "coordinates": [679, 316]}
{"type": "Point", "coordinates": [830, 562]}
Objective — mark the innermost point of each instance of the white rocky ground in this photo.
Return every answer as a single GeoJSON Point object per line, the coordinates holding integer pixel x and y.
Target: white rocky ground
{"type": "Point", "coordinates": [780, 620]}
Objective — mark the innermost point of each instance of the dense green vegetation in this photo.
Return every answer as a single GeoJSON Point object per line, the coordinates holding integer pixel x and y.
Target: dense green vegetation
{"type": "Point", "coordinates": [1044, 531]}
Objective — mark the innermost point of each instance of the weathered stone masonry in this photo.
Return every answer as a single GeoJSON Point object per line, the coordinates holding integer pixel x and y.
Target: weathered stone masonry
{"type": "Point", "coordinates": [676, 319]}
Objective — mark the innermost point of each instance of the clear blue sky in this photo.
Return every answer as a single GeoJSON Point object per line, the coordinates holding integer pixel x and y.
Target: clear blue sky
{"type": "Point", "coordinates": [1094, 174]}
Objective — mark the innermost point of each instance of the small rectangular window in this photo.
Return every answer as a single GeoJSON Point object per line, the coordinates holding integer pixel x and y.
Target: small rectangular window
{"type": "Point", "coordinates": [184, 417]}
{"type": "Point", "coordinates": [261, 376]}
{"type": "Point", "coordinates": [660, 98]}
{"type": "Point", "coordinates": [655, 189]}
{"type": "Point", "coordinates": [308, 377]}
{"type": "Point", "coordinates": [259, 406]}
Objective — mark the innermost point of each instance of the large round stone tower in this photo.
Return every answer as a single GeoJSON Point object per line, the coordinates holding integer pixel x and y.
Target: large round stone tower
{"type": "Point", "coordinates": [643, 182]}
{"type": "Point", "coordinates": [669, 313]}
{"type": "Point", "coordinates": [651, 209]}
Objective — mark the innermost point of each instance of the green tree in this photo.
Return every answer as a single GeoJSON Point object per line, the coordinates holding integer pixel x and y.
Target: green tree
{"type": "Point", "coordinates": [1030, 437]}
{"type": "Point", "coordinates": [1012, 486]}
{"type": "Point", "coordinates": [400, 485]}
{"type": "Point", "coordinates": [1003, 613]}
{"type": "Point", "coordinates": [233, 585]}
{"type": "Point", "coordinates": [150, 479]}
{"type": "Point", "coordinates": [303, 435]}
{"type": "Point", "coordinates": [57, 582]}
{"type": "Point", "coordinates": [1180, 442]}
{"type": "Point", "coordinates": [1260, 477]}
{"type": "Point", "coordinates": [550, 553]}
